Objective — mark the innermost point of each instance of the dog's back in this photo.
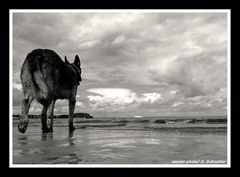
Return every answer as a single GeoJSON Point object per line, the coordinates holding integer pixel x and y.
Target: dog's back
{"type": "Point", "coordinates": [40, 74]}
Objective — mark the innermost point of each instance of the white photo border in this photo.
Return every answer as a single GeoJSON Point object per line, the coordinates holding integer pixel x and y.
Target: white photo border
{"type": "Point", "coordinates": [227, 11]}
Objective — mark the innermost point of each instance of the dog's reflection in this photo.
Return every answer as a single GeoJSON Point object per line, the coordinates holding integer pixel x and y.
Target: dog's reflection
{"type": "Point", "coordinates": [47, 136]}
{"type": "Point", "coordinates": [71, 137]}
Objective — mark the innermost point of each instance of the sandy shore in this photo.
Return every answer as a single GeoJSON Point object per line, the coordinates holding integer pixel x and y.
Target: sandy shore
{"type": "Point", "coordinates": [114, 143]}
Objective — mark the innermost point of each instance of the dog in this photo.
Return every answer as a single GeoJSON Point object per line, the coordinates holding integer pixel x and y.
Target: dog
{"type": "Point", "coordinates": [45, 77]}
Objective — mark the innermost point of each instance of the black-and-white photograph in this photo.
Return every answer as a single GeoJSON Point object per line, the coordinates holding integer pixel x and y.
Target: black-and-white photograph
{"type": "Point", "coordinates": [119, 88]}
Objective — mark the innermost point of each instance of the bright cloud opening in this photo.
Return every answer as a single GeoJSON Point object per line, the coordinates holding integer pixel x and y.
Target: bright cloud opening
{"type": "Point", "coordinates": [152, 97]}
{"type": "Point", "coordinates": [117, 98]}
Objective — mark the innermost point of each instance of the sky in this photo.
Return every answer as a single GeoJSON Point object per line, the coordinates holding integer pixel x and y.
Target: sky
{"type": "Point", "coordinates": [133, 63]}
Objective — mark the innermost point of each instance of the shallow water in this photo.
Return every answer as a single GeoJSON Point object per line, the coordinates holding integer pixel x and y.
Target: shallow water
{"type": "Point", "coordinates": [115, 146]}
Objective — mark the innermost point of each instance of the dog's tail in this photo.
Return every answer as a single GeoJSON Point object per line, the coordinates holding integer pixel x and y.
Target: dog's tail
{"type": "Point", "coordinates": [40, 88]}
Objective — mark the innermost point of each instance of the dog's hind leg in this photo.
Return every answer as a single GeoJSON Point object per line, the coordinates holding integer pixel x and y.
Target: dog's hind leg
{"type": "Point", "coordinates": [51, 115]}
{"type": "Point", "coordinates": [26, 102]}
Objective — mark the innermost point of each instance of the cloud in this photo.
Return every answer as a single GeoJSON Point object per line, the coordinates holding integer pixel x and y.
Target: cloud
{"type": "Point", "coordinates": [35, 108]}
{"type": "Point", "coordinates": [118, 99]}
{"type": "Point", "coordinates": [89, 44]}
{"type": "Point", "coordinates": [80, 104]}
{"type": "Point", "coordinates": [176, 104]}
{"type": "Point", "coordinates": [17, 96]}
{"type": "Point", "coordinates": [152, 97]}
{"type": "Point", "coordinates": [177, 72]}
{"type": "Point", "coordinates": [173, 92]}
{"type": "Point", "coordinates": [118, 40]}
{"type": "Point", "coordinates": [17, 86]}
{"type": "Point", "coordinates": [178, 57]}
{"type": "Point", "coordinates": [113, 95]}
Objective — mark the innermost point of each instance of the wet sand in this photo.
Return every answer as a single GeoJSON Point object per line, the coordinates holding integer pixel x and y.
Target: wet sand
{"type": "Point", "coordinates": [104, 142]}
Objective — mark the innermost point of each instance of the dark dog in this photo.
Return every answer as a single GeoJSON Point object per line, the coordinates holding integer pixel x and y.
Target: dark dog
{"type": "Point", "coordinates": [46, 78]}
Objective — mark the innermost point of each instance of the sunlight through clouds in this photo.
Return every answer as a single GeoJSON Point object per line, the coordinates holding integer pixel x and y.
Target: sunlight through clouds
{"type": "Point", "coordinates": [114, 97]}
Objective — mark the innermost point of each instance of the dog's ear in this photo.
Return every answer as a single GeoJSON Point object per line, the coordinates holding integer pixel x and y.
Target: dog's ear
{"type": "Point", "coordinates": [77, 61]}
{"type": "Point", "coordinates": [66, 61]}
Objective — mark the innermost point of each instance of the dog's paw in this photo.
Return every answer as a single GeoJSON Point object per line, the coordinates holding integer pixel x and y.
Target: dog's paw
{"type": "Point", "coordinates": [71, 128]}
{"type": "Point", "coordinates": [50, 128]}
{"type": "Point", "coordinates": [45, 130]}
{"type": "Point", "coordinates": [22, 127]}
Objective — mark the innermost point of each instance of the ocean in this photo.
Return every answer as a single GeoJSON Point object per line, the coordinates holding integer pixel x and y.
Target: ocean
{"type": "Point", "coordinates": [141, 140]}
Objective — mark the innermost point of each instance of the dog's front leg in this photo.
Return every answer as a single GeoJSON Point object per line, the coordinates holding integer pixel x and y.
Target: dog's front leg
{"type": "Point", "coordinates": [72, 102]}
{"type": "Point", "coordinates": [44, 119]}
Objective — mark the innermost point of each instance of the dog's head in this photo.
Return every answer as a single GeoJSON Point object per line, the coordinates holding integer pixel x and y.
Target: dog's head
{"type": "Point", "coordinates": [76, 67]}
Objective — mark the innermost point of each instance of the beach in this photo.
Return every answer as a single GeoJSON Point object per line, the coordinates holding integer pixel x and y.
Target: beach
{"type": "Point", "coordinates": [123, 141]}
